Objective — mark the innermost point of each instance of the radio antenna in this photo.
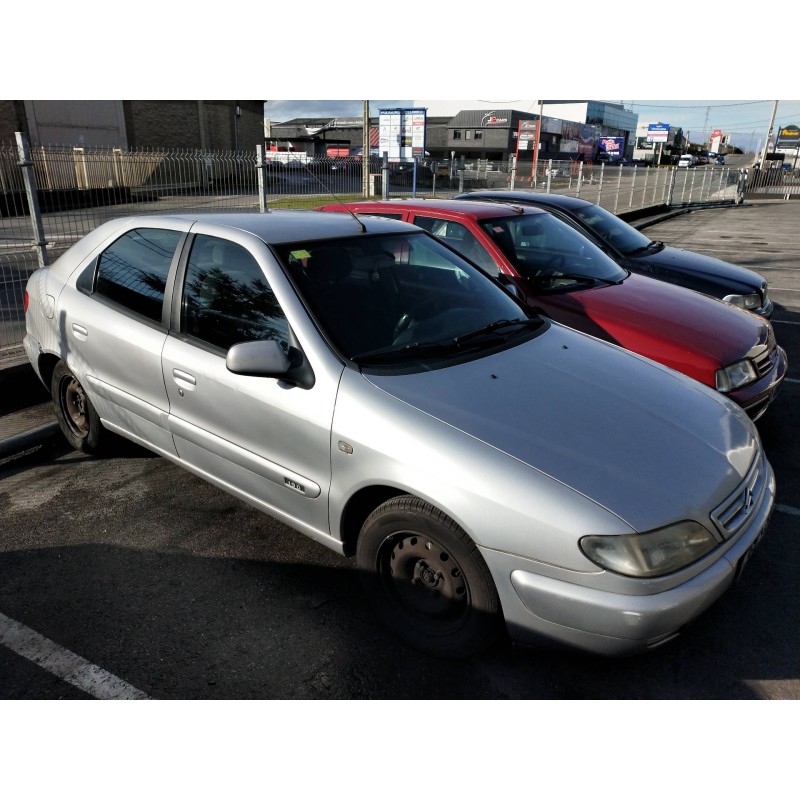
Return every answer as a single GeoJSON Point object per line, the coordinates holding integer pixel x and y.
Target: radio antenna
{"type": "Point", "coordinates": [327, 188]}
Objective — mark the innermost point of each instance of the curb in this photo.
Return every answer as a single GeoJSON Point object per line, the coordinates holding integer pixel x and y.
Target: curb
{"type": "Point", "coordinates": [25, 441]}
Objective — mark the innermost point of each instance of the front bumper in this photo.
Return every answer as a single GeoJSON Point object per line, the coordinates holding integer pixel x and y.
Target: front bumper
{"type": "Point", "coordinates": [541, 608]}
{"type": "Point", "coordinates": [756, 397]}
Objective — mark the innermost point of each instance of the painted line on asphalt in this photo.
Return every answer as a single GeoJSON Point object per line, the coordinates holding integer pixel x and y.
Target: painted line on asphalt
{"type": "Point", "coordinates": [65, 664]}
{"type": "Point", "coordinates": [792, 380]}
{"type": "Point", "coordinates": [784, 322]}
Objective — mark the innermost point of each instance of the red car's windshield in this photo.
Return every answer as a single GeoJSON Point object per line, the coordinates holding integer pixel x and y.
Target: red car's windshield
{"type": "Point", "coordinates": [545, 249]}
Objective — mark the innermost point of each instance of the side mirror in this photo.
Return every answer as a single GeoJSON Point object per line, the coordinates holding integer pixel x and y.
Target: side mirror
{"type": "Point", "coordinates": [265, 358]}
{"type": "Point", "coordinates": [510, 286]}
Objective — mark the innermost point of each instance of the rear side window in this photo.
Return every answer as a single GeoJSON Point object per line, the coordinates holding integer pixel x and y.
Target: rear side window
{"type": "Point", "coordinates": [460, 238]}
{"type": "Point", "coordinates": [133, 271]}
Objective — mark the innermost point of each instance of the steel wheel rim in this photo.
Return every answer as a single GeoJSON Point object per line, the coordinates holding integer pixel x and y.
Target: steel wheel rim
{"type": "Point", "coordinates": [74, 403]}
{"type": "Point", "coordinates": [425, 580]}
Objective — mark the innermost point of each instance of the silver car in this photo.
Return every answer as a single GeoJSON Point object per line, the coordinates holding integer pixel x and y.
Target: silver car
{"type": "Point", "coordinates": [359, 381]}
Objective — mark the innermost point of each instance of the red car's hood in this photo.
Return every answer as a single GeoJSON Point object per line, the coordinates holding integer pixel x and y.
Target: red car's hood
{"type": "Point", "coordinates": [685, 330]}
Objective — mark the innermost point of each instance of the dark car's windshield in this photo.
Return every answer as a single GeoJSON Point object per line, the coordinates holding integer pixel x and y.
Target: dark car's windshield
{"type": "Point", "coordinates": [383, 299]}
{"type": "Point", "coordinates": [550, 253]}
{"type": "Point", "coordinates": [610, 228]}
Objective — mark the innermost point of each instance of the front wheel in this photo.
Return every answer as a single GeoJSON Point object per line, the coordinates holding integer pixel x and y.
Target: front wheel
{"type": "Point", "coordinates": [78, 420]}
{"type": "Point", "coordinates": [426, 579]}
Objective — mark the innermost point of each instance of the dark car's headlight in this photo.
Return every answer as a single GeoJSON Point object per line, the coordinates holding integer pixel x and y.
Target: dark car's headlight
{"type": "Point", "coordinates": [648, 555]}
{"type": "Point", "coordinates": [745, 301]}
{"type": "Point", "coordinates": [735, 375]}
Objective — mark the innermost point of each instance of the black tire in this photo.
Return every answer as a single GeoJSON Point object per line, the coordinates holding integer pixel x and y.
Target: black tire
{"type": "Point", "coordinates": [426, 580]}
{"type": "Point", "coordinates": [75, 413]}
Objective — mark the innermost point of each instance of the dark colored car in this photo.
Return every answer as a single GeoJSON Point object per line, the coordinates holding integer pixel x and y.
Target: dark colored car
{"type": "Point", "coordinates": [632, 250]}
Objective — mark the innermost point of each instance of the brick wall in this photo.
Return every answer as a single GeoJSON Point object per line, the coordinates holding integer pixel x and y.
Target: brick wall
{"type": "Point", "coordinates": [192, 124]}
{"type": "Point", "coordinates": [12, 119]}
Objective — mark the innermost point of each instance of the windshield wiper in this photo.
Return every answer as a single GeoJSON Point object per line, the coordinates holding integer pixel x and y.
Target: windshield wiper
{"type": "Point", "coordinates": [656, 246]}
{"type": "Point", "coordinates": [493, 327]}
{"type": "Point", "coordinates": [540, 279]}
{"type": "Point", "coordinates": [412, 349]}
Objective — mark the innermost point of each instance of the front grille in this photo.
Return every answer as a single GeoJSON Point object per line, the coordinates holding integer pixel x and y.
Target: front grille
{"type": "Point", "coordinates": [765, 362]}
{"type": "Point", "coordinates": [733, 514]}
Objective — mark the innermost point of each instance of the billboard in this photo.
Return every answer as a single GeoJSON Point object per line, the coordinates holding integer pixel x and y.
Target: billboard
{"type": "Point", "coordinates": [526, 134]}
{"type": "Point", "coordinates": [788, 138]}
{"type": "Point", "coordinates": [658, 132]}
{"type": "Point", "coordinates": [401, 133]}
{"type": "Point", "coordinates": [613, 145]}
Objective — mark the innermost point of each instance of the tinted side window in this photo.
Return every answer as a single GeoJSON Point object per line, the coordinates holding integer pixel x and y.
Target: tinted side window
{"type": "Point", "coordinates": [226, 298]}
{"type": "Point", "coordinates": [133, 271]}
{"type": "Point", "coordinates": [460, 238]}
{"type": "Point", "coordinates": [384, 214]}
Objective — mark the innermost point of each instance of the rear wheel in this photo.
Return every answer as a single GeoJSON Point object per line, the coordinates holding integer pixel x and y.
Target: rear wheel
{"type": "Point", "coordinates": [426, 579]}
{"type": "Point", "coordinates": [75, 413]}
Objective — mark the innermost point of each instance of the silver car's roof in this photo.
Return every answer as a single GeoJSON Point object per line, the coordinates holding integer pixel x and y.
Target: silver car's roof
{"type": "Point", "coordinates": [277, 227]}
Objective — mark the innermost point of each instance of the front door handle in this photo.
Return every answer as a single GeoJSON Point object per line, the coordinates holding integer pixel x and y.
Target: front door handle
{"type": "Point", "coordinates": [184, 380]}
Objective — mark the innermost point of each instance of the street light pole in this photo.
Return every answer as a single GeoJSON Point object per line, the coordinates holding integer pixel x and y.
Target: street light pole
{"type": "Point", "coordinates": [365, 150]}
{"type": "Point", "coordinates": [769, 135]}
{"type": "Point", "coordinates": [538, 140]}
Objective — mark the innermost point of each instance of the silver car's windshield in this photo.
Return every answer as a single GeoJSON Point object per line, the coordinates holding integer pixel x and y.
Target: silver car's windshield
{"type": "Point", "coordinates": [395, 298]}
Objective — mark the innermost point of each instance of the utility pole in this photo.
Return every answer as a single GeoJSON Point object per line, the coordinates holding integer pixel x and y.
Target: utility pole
{"type": "Point", "coordinates": [769, 135]}
{"type": "Point", "coordinates": [365, 151]}
{"type": "Point", "coordinates": [537, 141]}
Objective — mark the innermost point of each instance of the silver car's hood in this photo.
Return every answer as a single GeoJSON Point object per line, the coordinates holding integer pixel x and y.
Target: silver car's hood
{"type": "Point", "coordinates": [648, 444]}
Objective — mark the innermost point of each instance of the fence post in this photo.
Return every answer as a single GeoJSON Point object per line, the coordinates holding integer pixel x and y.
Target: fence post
{"type": "Point", "coordinates": [633, 186]}
{"type": "Point", "coordinates": [385, 176]}
{"type": "Point", "coordinates": [600, 181]}
{"type": "Point", "coordinates": [29, 177]}
{"type": "Point", "coordinates": [741, 186]}
{"type": "Point", "coordinates": [673, 173]}
{"type": "Point", "coordinates": [644, 188]}
{"type": "Point", "coordinates": [619, 188]}
{"type": "Point", "coordinates": [261, 166]}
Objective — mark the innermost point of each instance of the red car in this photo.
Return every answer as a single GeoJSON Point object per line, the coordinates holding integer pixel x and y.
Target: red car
{"type": "Point", "coordinates": [561, 273]}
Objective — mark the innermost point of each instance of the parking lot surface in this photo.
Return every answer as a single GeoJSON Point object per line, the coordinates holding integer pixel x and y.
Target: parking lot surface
{"type": "Point", "coordinates": [129, 577]}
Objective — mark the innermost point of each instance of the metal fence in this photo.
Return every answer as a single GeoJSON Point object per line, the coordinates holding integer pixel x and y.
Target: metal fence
{"type": "Point", "coordinates": [51, 196]}
{"type": "Point", "coordinates": [777, 182]}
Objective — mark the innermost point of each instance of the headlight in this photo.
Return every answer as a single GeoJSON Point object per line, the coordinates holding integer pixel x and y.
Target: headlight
{"type": "Point", "coordinates": [735, 375]}
{"type": "Point", "coordinates": [746, 301]}
{"type": "Point", "coordinates": [648, 555]}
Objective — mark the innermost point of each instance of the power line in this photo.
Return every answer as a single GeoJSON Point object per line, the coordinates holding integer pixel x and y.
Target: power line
{"type": "Point", "coordinates": [699, 105]}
